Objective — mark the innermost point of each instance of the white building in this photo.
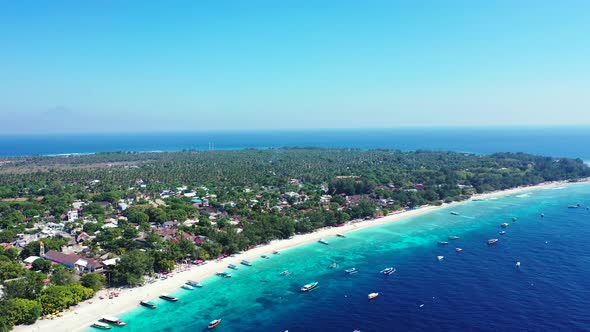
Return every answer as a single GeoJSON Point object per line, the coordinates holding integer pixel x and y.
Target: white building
{"type": "Point", "coordinates": [72, 215]}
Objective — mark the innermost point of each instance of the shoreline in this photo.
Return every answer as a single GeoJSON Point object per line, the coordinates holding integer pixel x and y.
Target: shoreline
{"type": "Point", "coordinates": [81, 316]}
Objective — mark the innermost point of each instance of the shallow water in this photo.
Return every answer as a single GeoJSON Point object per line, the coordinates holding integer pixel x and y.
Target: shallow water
{"type": "Point", "coordinates": [478, 289]}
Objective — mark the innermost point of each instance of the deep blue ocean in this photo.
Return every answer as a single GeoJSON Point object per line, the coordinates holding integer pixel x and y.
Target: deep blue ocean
{"type": "Point", "coordinates": [558, 142]}
{"type": "Point", "coordinates": [478, 289]}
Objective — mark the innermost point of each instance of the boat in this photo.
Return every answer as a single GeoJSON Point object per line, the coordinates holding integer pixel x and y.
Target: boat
{"type": "Point", "coordinates": [573, 206]}
{"type": "Point", "coordinates": [101, 326]}
{"type": "Point", "coordinates": [245, 262]}
{"type": "Point", "coordinates": [224, 274]}
{"type": "Point", "coordinates": [310, 286]}
{"type": "Point", "coordinates": [514, 219]}
{"type": "Point", "coordinates": [443, 243]}
{"type": "Point", "coordinates": [333, 265]}
{"type": "Point", "coordinates": [492, 241]}
{"type": "Point", "coordinates": [148, 304]}
{"type": "Point", "coordinates": [455, 213]}
{"type": "Point", "coordinates": [213, 324]}
{"type": "Point", "coordinates": [194, 283]}
{"type": "Point", "coordinates": [440, 258]}
{"type": "Point", "coordinates": [373, 295]}
{"type": "Point", "coordinates": [285, 273]}
{"type": "Point", "coordinates": [504, 225]}
{"type": "Point", "coordinates": [340, 235]}
{"type": "Point", "coordinates": [542, 215]}
{"type": "Point", "coordinates": [233, 266]}
{"type": "Point", "coordinates": [187, 287]}
{"type": "Point", "coordinates": [323, 241]}
{"type": "Point", "coordinates": [351, 270]}
{"type": "Point", "coordinates": [265, 256]}
{"type": "Point", "coordinates": [454, 237]}
{"type": "Point", "coordinates": [517, 264]}
{"type": "Point", "coordinates": [167, 297]}
{"type": "Point", "coordinates": [113, 320]}
{"type": "Point", "coordinates": [276, 252]}
{"type": "Point", "coordinates": [458, 249]}
{"type": "Point", "coordinates": [388, 271]}
{"type": "Point", "coordinates": [502, 232]}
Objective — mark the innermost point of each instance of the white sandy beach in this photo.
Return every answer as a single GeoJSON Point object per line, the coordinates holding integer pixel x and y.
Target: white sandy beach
{"type": "Point", "coordinates": [83, 315]}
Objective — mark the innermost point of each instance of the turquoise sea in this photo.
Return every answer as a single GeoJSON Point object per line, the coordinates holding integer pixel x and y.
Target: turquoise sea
{"type": "Point", "coordinates": [478, 289]}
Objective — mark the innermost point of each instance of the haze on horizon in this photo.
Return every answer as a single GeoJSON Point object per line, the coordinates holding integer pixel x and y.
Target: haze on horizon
{"type": "Point", "coordinates": [111, 66]}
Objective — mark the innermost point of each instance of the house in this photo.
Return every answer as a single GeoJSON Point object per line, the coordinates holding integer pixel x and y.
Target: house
{"type": "Point", "coordinates": [122, 206]}
{"type": "Point", "coordinates": [81, 264]}
{"type": "Point", "coordinates": [73, 215]}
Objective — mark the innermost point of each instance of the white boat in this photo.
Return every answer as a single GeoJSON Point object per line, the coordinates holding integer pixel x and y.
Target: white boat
{"type": "Point", "coordinates": [187, 287]}
{"type": "Point", "coordinates": [309, 286]}
{"type": "Point", "coordinates": [492, 241]}
{"type": "Point", "coordinates": [101, 326]}
{"type": "Point", "coordinates": [373, 295]}
{"type": "Point", "coordinates": [113, 320]}
{"type": "Point", "coordinates": [323, 241]}
{"type": "Point", "coordinates": [440, 258]}
{"type": "Point", "coordinates": [504, 225]}
{"type": "Point", "coordinates": [443, 243]}
{"type": "Point", "coordinates": [458, 249]}
{"type": "Point", "coordinates": [502, 232]}
{"type": "Point", "coordinates": [388, 271]}
{"type": "Point", "coordinates": [351, 270]}
{"type": "Point", "coordinates": [168, 297]}
{"type": "Point", "coordinates": [194, 283]}
{"type": "Point", "coordinates": [517, 264]}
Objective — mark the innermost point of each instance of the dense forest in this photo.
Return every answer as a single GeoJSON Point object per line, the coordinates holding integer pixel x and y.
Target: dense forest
{"type": "Point", "coordinates": [252, 197]}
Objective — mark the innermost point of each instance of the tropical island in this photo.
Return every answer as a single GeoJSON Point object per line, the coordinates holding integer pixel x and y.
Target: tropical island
{"type": "Point", "coordinates": [71, 225]}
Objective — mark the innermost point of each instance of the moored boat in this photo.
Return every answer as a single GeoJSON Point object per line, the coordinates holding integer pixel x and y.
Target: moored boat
{"type": "Point", "coordinates": [458, 249]}
{"type": "Point", "coordinates": [517, 264]}
{"type": "Point", "coordinates": [340, 235]}
{"type": "Point", "coordinates": [276, 252]}
{"type": "Point", "coordinates": [265, 256]}
{"type": "Point", "coordinates": [167, 297]}
{"type": "Point", "coordinates": [148, 304]}
{"type": "Point", "coordinates": [502, 232]}
{"type": "Point", "coordinates": [113, 320]}
{"type": "Point", "coordinates": [213, 324]}
{"type": "Point", "coordinates": [285, 273]}
{"type": "Point", "coordinates": [388, 271]}
{"type": "Point", "coordinates": [373, 295]}
{"type": "Point", "coordinates": [245, 262]}
{"type": "Point", "coordinates": [351, 270]}
{"type": "Point", "coordinates": [514, 219]}
{"type": "Point", "coordinates": [187, 287]}
{"type": "Point", "coordinates": [194, 283]}
{"type": "Point", "coordinates": [454, 237]}
{"type": "Point", "coordinates": [101, 326]}
{"type": "Point", "coordinates": [455, 213]}
{"type": "Point", "coordinates": [573, 206]}
{"type": "Point", "coordinates": [233, 266]}
{"type": "Point", "coordinates": [492, 241]}
{"type": "Point", "coordinates": [310, 286]}
{"type": "Point", "coordinates": [224, 274]}
{"type": "Point", "coordinates": [440, 258]}
{"type": "Point", "coordinates": [443, 243]}
{"type": "Point", "coordinates": [504, 225]}
{"type": "Point", "coordinates": [323, 241]}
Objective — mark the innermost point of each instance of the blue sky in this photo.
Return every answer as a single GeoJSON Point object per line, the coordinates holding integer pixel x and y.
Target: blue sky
{"type": "Point", "coordinates": [99, 66]}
